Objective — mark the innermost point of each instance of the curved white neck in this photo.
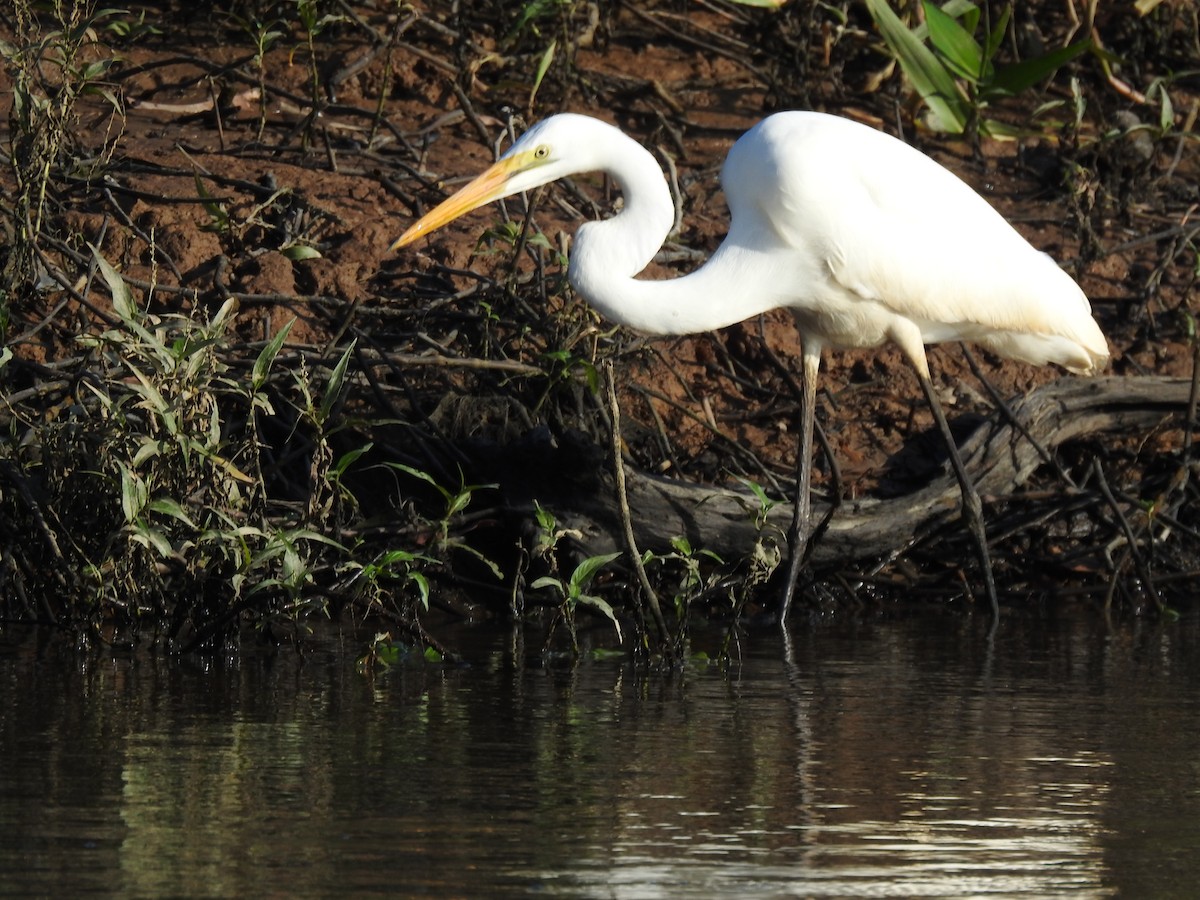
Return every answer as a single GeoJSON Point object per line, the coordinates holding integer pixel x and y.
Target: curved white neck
{"type": "Point", "coordinates": [607, 254]}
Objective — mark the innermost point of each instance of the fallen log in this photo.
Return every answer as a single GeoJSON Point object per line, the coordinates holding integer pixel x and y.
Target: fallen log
{"type": "Point", "coordinates": [575, 482]}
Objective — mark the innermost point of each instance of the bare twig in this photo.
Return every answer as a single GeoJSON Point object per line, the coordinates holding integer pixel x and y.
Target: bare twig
{"type": "Point", "coordinates": [623, 504]}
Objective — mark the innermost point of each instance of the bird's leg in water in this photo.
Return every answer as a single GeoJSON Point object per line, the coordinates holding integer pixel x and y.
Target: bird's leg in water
{"type": "Point", "coordinates": [972, 506]}
{"type": "Point", "coordinates": [801, 530]}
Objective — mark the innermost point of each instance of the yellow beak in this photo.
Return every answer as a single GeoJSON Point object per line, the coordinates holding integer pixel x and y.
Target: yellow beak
{"type": "Point", "coordinates": [491, 185]}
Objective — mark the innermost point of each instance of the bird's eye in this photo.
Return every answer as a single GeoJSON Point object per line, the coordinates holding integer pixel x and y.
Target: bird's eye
{"type": "Point", "coordinates": [541, 152]}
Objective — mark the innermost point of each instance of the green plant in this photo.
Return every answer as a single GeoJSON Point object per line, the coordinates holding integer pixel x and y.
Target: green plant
{"type": "Point", "coordinates": [314, 22]}
{"type": "Point", "coordinates": [264, 34]}
{"type": "Point", "coordinates": [575, 591]}
{"type": "Point", "coordinates": [691, 581]}
{"type": "Point", "coordinates": [145, 496]}
{"type": "Point", "coordinates": [766, 556]}
{"type": "Point", "coordinates": [271, 222]}
{"type": "Point", "coordinates": [531, 17]}
{"type": "Point", "coordinates": [958, 77]}
{"type": "Point", "coordinates": [455, 503]}
{"type": "Point", "coordinates": [396, 567]}
{"type": "Point", "coordinates": [50, 70]}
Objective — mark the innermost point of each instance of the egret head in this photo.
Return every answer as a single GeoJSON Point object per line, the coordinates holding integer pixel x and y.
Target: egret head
{"type": "Point", "coordinates": [550, 150]}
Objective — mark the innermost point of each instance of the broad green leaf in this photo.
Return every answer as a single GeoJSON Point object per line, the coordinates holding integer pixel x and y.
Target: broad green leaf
{"type": "Point", "coordinates": [931, 79]}
{"type": "Point", "coordinates": [168, 507]}
{"type": "Point", "coordinates": [960, 51]}
{"type": "Point", "coordinates": [586, 570]}
{"type": "Point", "coordinates": [153, 539]}
{"type": "Point", "coordinates": [547, 581]}
{"type": "Point", "coordinates": [148, 450]}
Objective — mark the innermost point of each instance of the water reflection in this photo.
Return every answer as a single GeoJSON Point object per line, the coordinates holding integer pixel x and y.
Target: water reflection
{"type": "Point", "coordinates": [903, 758]}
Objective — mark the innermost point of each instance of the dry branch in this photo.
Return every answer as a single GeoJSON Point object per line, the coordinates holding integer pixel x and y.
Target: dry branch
{"type": "Point", "coordinates": [997, 457]}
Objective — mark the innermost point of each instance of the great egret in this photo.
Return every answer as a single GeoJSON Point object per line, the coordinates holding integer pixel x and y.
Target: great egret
{"type": "Point", "coordinates": [862, 237]}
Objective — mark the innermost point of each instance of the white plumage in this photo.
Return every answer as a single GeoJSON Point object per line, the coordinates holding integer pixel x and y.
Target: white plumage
{"type": "Point", "coordinates": [863, 238]}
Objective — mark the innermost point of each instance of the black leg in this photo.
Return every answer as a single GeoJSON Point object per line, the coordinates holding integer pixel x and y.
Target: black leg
{"type": "Point", "coordinates": [802, 516]}
{"type": "Point", "coordinates": [972, 506]}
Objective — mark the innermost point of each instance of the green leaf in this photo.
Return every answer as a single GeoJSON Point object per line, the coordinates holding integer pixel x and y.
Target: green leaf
{"type": "Point", "coordinates": [153, 539]}
{"type": "Point", "coordinates": [765, 502]}
{"type": "Point", "coordinates": [134, 494]}
{"type": "Point", "coordinates": [154, 400]}
{"type": "Point", "coordinates": [349, 458]}
{"type": "Point", "coordinates": [168, 507]}
{"type": "Point", "coordinates": [121, 296]}
{"type": "Point", "coordinates": [931, 79]}
{"type": "Point", "coordinates": [682, 545]}
{"type": "Point", "coordinates": [542, 68]}
{"type": "Point", "coordinates": [385, 651]}
{"type": "Point", "coordinates": [424, 476]}
{"type": "Point", "coordinates": [603, 654]}
{"type": "Point", "coordinates": [597, 603]}
{"type": "Point", "coordinates": [586, 570]}
{"type": "Point", "coordinates": [458, 502]}
{"type": "Point", "coordinates": [432, 655]}
{"type": "Point", "coordinates": [333, 390]}
{"type": "Point", "coordinates": [468, 549]}
{"type": "Point", "coordinates": [266, 357]}
{"type": "Point", "coordinates": [300, 252]}
{"type": "Point", "coordinates": [216, 212]}
{"type": "Point", "coordinates": [999, 130]}
{"type": "Point", "coordinates": [422, 584]}
{"type": "Point", "coordinates": [1014, 78]}
{"type": "Point", "coordinates": [545, 518]}
{"type": "Point", "coordinates": [547, 581]}
{"type": "Point", "coordinates": [995, 36]}
{"type": "Point", "coordinates": [961, 52]}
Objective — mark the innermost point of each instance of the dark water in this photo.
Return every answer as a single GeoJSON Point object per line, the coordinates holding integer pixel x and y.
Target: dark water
{"type": "Point", "coordinates": [900, 758]}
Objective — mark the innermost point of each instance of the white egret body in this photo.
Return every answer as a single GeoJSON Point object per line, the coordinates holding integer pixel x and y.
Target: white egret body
{"type": "Point", "coordinates": [863, 238]}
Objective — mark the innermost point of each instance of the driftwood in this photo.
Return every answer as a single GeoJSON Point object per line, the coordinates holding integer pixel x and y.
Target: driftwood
{"type": "Point", "coordinates": [997, 456]}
